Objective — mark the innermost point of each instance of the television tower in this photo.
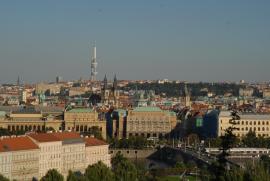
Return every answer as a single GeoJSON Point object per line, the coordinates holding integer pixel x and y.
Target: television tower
{"type": "Point", "coordinates": [94, 63]}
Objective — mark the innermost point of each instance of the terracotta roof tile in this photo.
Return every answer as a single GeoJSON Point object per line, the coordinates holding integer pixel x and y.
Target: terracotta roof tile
{"type": "Point", "coordinates": [43, 137]}
{"type": "Point", "coordinates": [49, 137]}
{"type": "Point", "coordinates": [16, 144]}
{"type": "Point", "coordinates": [66, 135]}
{"type": "Point", "coordinates": [94, 142]}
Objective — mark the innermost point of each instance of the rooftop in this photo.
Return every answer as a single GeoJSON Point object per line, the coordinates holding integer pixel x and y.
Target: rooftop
{"type": "Point", "coordinates": [49, 137]}
{"type": "Point", "coordinates": [254, 116]}
{"type": "Point", "coordinates": [81, 110]}
{"type": "Point", "coordinates": [17, 144]}
{"type": "Point", "coordinates": [152, 109]}
{"type": "Point", "coordinates": [94, 142]}
{"type": "Point", "coordinates": [147, 109]}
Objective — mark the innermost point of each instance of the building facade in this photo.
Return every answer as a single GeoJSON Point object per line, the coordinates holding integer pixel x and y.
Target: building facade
{"type": "Point", "coordinates": [95, 151]}
{"type": "Point", "coordinates": [149, 122]}
{"type": "Point", "coordinates": [29, 120]}
{"type": "Point", "coordinates": [31, 156]}
{"type": "Point", "coordinates": [83, 119]}
{"type": "Point", "coordinates": [259, 123]}
{"type": "Point", "coordinates": [49, 152]}
{"type": "Point", "coordinates": [19, 158]}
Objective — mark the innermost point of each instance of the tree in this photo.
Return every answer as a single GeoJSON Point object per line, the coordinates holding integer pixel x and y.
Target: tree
{"type": "Point", "coordinates": [250, 140]}
{"type": "Point", "coordinates": [52, 175]}
{"type": "Point", "coordinates": [73, 176]}
{"type": "Point", "coordinates": [3, 178]}
{"type": "Point", "coordinates": [94, 130]}
{"type": "Point", "coordinates": [98, 172]}
{"type": "Point", "coordinates": [227, 142]}
{"type": "Point", "coordinates": [123, 169]}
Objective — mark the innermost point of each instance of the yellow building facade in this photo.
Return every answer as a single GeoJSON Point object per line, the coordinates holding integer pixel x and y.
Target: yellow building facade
{"type": "Point", "coordinates": [149, 122]}
{"type": "Point", "coordinates": [81, 120]}
{"type": "Point", "coordinates": [259, 123]}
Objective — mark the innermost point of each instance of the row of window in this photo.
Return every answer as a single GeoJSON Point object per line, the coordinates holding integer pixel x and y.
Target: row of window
{"type": "Point", "coordinates": [252, 129]}
{"type": "Point", "coordinates": [251, 122]}
{"type": "Point", "coordinates": [160, 135]}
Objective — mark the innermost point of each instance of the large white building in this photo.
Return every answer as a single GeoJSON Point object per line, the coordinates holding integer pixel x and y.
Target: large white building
{"type": "Point", "coordinates": [19, 158]}
{"type": "Point", "coordinates": [23, 158]}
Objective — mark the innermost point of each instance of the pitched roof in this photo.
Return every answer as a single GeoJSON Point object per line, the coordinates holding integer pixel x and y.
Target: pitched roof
{"type": "Point", "coordinates": [80, 110]}
{"type": "Point", "coordinates": [17, 144]}
{"type": "Point", "coordinates": [66, 135]}
{"type": "Point", "coordinates": [94, 142]}
{"type": "Point", "coordinates": [49, 137]}
{"type": "Point", "coordinates": [44, 137]}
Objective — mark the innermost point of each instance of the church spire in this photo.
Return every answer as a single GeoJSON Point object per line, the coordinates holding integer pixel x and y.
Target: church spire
{"type": "Point", "coordinates": [115, 82]}
{"type": "Point", "coordinates": [18, 81]}
{"type": "Point", "coordinates": [105, 83]}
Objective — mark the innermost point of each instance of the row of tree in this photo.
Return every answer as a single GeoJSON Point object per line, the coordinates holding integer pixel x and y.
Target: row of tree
{"type": "Point", "coordinates": [196, 89]}
{"type": "Point", "coordinates": [250, 140]}
{"type": "Point", "coordinates": [134, 142]}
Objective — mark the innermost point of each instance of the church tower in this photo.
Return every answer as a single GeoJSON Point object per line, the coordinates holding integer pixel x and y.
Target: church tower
{"type": "Point", "coordinates": [186, 97]}
{"type": "Point", "coordinates": [110, 95]}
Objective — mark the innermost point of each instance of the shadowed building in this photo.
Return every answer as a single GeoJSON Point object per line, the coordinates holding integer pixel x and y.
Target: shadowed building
{"type": "Point", "coordinates": [149, 122]}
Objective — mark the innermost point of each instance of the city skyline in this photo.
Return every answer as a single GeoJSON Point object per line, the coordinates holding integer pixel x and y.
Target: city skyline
{"type": "Point", "coordinates": [191, 40]}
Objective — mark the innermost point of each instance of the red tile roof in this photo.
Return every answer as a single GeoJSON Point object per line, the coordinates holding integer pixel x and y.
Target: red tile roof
{"type": "Point", "coordinates": [94, 142]}
{"type": "Point", "coordinates": [66, 135]}
{"type": "Point", "coordinates": [44, 137]}
{"type": "Point", "coordinates": [49, 137]}
{"type": "Point", "coordinates": [16, 144]}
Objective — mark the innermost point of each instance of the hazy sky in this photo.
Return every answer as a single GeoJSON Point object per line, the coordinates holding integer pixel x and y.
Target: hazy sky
{"type": "Point", "coordinates": [202, 40]}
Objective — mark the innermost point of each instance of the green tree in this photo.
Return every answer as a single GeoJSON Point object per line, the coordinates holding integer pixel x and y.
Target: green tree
{"type": "Point", "coordinates": [52, 175]}
{"type": "Point", "coordinates": [250, 140]}
{"type": "Point", "coordinates": [227, 141]}
{"type": "Point", "coordinates": [72, 176]}
{"type": "Point", "coordinates": [98, 172]}
{"type": "Point", "coordinates": [123, 169]}
{"type": "Point", "coordinates": [94, 130]}
{"type": "Point", "coordinates": [3, 178]}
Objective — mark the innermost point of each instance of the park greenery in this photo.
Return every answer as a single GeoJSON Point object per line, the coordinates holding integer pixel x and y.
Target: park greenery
{"type": "Point", "coordinates": [197, 89]}
{"type": "Point", "coordinates": [249, 140]}
{"type": "Point", "coordinates": [134, 142]}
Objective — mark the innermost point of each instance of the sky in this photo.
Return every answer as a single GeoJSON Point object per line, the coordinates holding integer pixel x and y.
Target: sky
{"type": "Point", "coordinates": [192, 40]}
